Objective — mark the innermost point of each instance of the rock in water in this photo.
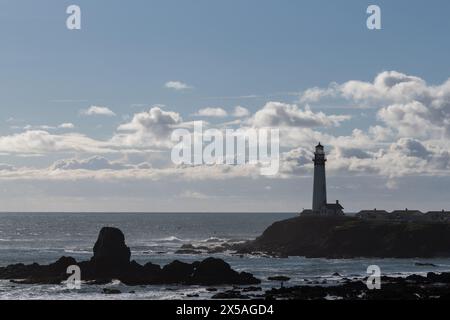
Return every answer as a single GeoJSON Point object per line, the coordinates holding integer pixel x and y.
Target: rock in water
{"type": "Point", "coordinates": [212, 271]}
{"type": "Point", "coordinates": [111, 254]}
{"type": "Point", "coordinates": [111, 260]}
{"type": "Point", "coordinates": [177, 272]}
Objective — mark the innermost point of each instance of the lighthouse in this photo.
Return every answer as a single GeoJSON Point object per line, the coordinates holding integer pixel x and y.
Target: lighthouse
{"type": "Point", "coordinates": [320, 206]}
{"type": "Point", "coordinates": [320, 183]}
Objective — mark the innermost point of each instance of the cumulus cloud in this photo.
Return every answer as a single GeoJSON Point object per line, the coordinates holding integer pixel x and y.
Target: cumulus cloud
{"type": "Point", "coordinates": [152, 128]}
{"type": "Point", "coordinates": [408, 139]}
{"type": "Point", "coordinates": [211, 112]}
{"type": "Point", "coordinates": [408, 105]}
{"type": "Point", "coordinates": [99, 111]}
{"type": "Point", "coordinates": [277, 114]}
{"type": "Point", "coordinates": [240, 112]}
{"type": "Point", "coordinates": [177, 85]}
{"type": "Point", "coordinates": [316, 94]}
{"type": "Point", "coordinates": [93, 163]}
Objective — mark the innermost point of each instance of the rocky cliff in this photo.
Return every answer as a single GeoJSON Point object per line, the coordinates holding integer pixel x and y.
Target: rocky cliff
{"type": "Point", "coordinates": [347, 237]}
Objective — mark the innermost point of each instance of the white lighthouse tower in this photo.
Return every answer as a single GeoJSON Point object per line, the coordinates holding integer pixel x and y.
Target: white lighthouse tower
{"type": "Point", "coordinates": [320, 205]}
{"type": "Point", "coordinates": [320, 184]}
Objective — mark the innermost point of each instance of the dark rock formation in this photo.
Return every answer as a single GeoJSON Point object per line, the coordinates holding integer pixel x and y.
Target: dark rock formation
{"type": "Point", "coordinates": [414, 287]}
{"type": "Point", "coordinates": [111, 255]}
{"type": "Point", "coordinates": [216, 271]}
{"type": "Point", "coordinates": [230, 295]}
{"type": "Point", "coordinates": [347, 237]}
{"type": "Point", "coordinates": [111, 260]}
{"type": "Point", "coordinates": [111, 291]}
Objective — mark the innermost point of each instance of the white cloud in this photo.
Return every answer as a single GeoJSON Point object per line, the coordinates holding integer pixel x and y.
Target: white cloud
{"type": "Point", "coordinates": [97, 110]}
{"type": "Point", "coordinates": [66, 125]}
{"type": "Point", "coordinates": [316, 94]}
{"type": "Point", "coordinates": [277, 114]}
{"type": "Point", "coordinates": [241, 112]}
{"type": "Point", "coordinates": [212, 112]}
{"type": "Point", "coordinates": [408, 141]}
{"type": "Point", "coordinates": [193, 195]}
{"type": "Point", "coordinates": [42, 142]}
{"type": "Point", "coordinates": [93, 163]}
{"type": "Point", "coordinates": [408, 105]}
{"type": "Point", "coordinates": [47, 127]}
{"type": "Point", "coordinates": [152, 128]}
{"type": "Point", "coordinates": [177, 85]}
{"type": "Point", "coordinates": [6, 167]}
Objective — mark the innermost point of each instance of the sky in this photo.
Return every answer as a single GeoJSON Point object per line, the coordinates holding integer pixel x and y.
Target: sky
{"type": "Point", "coordinates": [87, 115]}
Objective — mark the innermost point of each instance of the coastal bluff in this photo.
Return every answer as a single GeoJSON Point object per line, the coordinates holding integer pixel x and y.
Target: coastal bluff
{"type": "Point", "coordinates": [343, 237]}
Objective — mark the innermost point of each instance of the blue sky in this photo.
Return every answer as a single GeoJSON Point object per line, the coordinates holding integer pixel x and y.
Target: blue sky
{"type": "Point", "coordinates": [229, 53]}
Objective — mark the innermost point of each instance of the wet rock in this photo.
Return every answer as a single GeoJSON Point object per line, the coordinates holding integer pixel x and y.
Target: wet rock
{"type": "Point", "coordinates": [214, 271]}
{"type": "Point", "coordinates": [111, 254]}
{"type": "Point", "coordinates": [252, 289]}
{"type": "Point", "coordinates": [35, 273]}
{"type": "Point", "coordinates": [416, 278]}
{"type": "Point", "coordinates": [111, 291]}
{"type": "Point", "coordinates": [421, 264]}
{"type": "Point", "coordinates": [177, 272]}
{"type": "Point", "coordinates": [438, 278]}
{"type": "Point", "coordinates": [229, 295]}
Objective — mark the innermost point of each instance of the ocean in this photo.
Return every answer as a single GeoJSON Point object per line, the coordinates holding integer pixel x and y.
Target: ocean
{"type": "Point", "coordinates": [45, 237]}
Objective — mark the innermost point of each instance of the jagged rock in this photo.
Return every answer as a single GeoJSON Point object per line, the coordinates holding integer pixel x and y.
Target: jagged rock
{"type": "Point", "coordinates": [35, 273]}
{"type": "Point", "coordinates": [111, 254]}
{"type": "Point", "coordinates": [214, 271]}
{"type": "Point", "coordinates": [177, 272]}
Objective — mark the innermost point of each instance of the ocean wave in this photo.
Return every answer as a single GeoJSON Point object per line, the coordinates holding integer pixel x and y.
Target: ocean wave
{"type": "Point", "coordinates": [78, 251]}
{"type": "Point", "coordinates": [169, 239]}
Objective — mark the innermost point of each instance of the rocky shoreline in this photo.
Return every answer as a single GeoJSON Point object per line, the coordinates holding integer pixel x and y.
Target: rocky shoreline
{"type": "Point", "coordinates": [415, 287]}
{"type": "Point", "coordinates": [348, 237]}
{"type": "Point", "coordinates": [433, 286]}
{"type": "Point", "coordinates": [111, 260]}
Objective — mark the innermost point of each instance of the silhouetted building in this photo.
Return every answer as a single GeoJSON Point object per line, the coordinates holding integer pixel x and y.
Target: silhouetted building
{"type": "Point", "coordinates": [438, 216]}
{"type": "Point", "coordinates": [373, 214]}
{"type": "Point", "coordinates": [405, 215]}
